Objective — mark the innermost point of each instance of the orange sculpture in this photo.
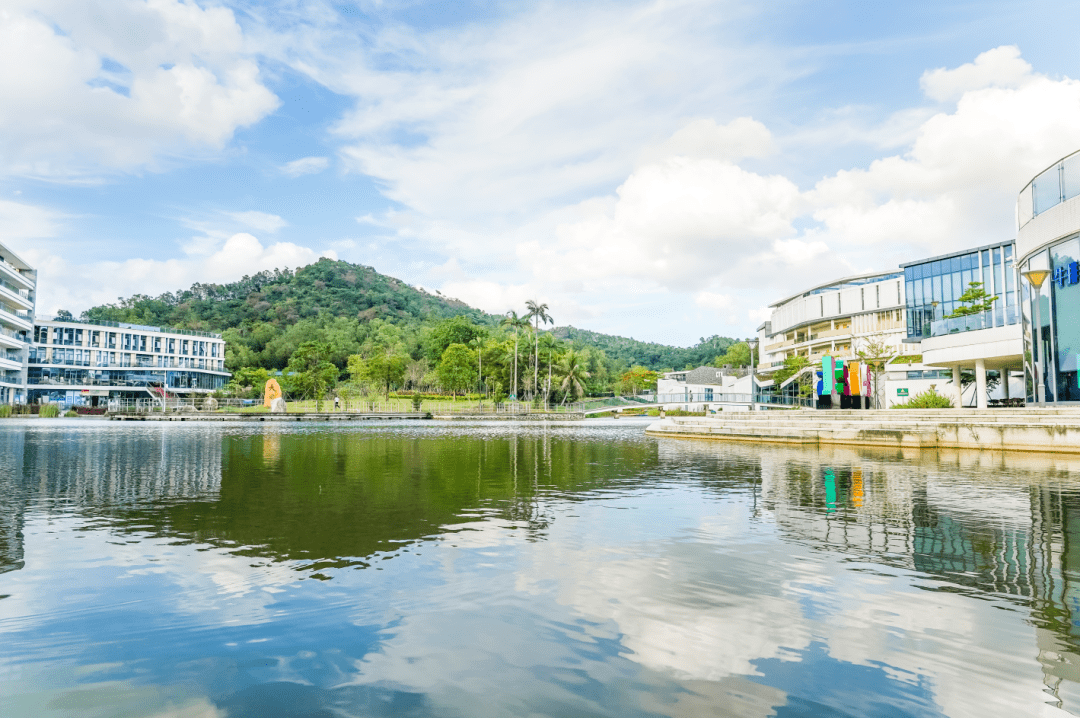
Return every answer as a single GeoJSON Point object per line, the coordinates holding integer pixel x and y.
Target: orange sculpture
{"type": "Point", "coordinates": [272, 391]}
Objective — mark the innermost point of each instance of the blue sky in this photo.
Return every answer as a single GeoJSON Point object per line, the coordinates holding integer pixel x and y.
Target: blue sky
{"type": "Point", "coordinates": [658, 169]}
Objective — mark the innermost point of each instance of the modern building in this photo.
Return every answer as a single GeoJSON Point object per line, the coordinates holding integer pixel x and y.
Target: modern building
{"type": "Point", "coordinates": [839, 319]}
{"type": "Point", "coordinates": [987, 343]}
{"type": "Point", "coordinates": [18, 287]}
{"type": "Point", "coordinates": [89, 363]}
{"type": "Point", "coordinates": [1048, 251]}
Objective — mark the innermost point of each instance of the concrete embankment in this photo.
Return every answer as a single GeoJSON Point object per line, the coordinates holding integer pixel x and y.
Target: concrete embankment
{"type": "Point", "coordinates": [339, 416]}
{"type": "Point", "coordinates": [1028, 429]}
{"type": "Point", "coordinates": [299, 416]}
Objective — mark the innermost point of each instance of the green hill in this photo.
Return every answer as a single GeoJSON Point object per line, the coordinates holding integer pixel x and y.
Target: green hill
{"type": "Point", "coordinates": [264, 317]}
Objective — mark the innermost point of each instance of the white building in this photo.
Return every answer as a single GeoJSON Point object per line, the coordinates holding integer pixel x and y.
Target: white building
{"type": "Point", "coordinates": [18, 285]}
{"type": "Point", "coordinates": [87, 363]}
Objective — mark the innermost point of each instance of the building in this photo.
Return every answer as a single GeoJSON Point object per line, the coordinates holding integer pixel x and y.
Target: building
{"type": "Point", "coordinates": [18, 288]}
{"type": "Point", "coordinates": [89, 363]}
{"type": "Point", "coordinates": [706, 388]}
{"type": "Point", "coordinates": [839, 319]}
{"type": "Point", "coordinates": [988, 343]}
{"type": "Point", "coordinates": [1048, 249]}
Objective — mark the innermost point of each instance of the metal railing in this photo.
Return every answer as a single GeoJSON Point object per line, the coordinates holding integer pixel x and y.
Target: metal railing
{"type": "Point", "coordinates": [974, 322]}
{"type": "Point", "coordinates": [135, 327]}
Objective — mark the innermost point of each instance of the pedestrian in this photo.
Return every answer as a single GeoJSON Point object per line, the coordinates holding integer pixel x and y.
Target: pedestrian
{"type": "Point", "coordinates": [337, 403]}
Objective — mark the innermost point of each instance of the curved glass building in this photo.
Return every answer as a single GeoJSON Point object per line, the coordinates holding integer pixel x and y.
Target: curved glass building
{"type": "Point", "coordinates": [1048, 251]}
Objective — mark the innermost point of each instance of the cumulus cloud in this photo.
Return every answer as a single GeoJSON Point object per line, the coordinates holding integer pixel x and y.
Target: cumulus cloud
{"type": "Point", "coordinates": [1000, 67]}
{"type": "Point", "coordinates": [67, 285]}
{"type": "Point", "coordinates": [97, 87]}
{"type": "Point", "coordinates": [305, 166]}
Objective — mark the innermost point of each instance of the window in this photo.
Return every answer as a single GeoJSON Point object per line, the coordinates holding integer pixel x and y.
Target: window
{"type": "Point", "coordinates": [78, 337]}
{"type": "Point", "coordinates": [184, 347]}
{"type": "Point", "coordinates": [157, 344]}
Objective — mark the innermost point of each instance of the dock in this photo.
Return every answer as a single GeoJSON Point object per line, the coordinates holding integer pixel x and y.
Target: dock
{"type": "Point", "coordinates": [1054, 430]}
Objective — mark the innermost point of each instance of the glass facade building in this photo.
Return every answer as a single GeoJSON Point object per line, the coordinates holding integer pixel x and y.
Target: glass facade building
{"type": "Point", "coordinates": [933, 288]}
{"type": "Point", "coordinates": [1048, 244]}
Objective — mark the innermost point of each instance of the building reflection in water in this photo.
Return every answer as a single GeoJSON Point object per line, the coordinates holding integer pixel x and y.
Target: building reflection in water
{"type": "Point", "coordinates": [983, 524]}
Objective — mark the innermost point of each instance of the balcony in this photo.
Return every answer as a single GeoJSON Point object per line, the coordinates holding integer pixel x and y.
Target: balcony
{"type": "Point", "coordinates": [12, 272]}
{"type": "Point", "coordinates": [17, 298]}
{"type": "Point", "coordinates": [21, 319]}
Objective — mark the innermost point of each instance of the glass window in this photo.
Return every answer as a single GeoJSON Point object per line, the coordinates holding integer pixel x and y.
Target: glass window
{"type": "Point", "coordinates": [1070, 176]}
{"type": "Point", "coordinates": [917, 271]}
{"type": "Point", "coordinates": [927, 291]}
{"type": "Point", "coordinates": [910, 294]}
{"type": "Point", "coordinates": [936, 284]}
{"type": "Point", "coordinates": [1024, 207]}
{"type": "Point", "coordinates": [954, 264]}
{"type": "Point", "coordinates": [918, 293]}
{"type": "Point", "coordinates": [1065, 299]}
{"type": "Point", "coordinates": [957, 285]}
{"type": "Point", "coordinates": [909, 274]}
{"type": "Point", "coordinates": [935, 268]}
{"type": "Point", "coordinates": [999, 285]}
{"type": "Point", "coordinates": [1046, 190]}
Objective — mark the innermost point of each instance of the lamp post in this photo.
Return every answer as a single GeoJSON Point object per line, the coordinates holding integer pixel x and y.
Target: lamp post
{"type": "Point", "coordinates": [1037, 272]}
{"type": "Point", "coordinates": [752, 343]}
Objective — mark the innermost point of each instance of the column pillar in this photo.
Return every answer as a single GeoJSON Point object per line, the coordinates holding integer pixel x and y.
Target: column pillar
{"type": "Point", "coordinates": [980, 382]}
{"type": "Point", "coordinates": [1005, 382]}
{"type": "Point", "coordinates": [958, 388]}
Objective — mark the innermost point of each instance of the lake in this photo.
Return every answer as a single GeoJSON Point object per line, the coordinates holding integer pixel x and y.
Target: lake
{"type": "Point", "coordinates": [526, 569]}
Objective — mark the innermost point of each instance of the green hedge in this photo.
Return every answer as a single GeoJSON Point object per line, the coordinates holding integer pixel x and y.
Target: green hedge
{"type": "Point", "coordinates": [928, 399]}
{"type": "Point", "coordinates": [5, 411]}
{"type": "Point", "coordinates": [49, 411]}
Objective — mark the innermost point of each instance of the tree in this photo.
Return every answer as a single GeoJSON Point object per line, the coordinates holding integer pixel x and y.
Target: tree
{"type": "Point", "coordinates": [310, 373]}
{"type": "Point", "coordinates": [875, 352]}
{"type": "Point", "coordinates": [382, 366]}
{"type": "Point", "coordinates": [574, 375]}
{"type": "Point", "coordinates": [456, 368]}
{"type": "Point", "coordinates": [478, 345]}
{"type": "Point", "coordinates": [736, 355]}
{"type": "Point", "coordinates": [537, 313]}
{"type": "Point", "coordinates": [550, 345]}
{"type": "Point", "coordinates": [456, 330]}
{"type": "Point", "coordinates": [637, 379]}
{"type": "Point", "coordinates": [793, 366]}
{"type": "Point", "coordinates": [515, 322]}
{"type": "Point", "coordinates": [64, 315]}
{"type": "Point", "coordinates": [973, 301]}
{"type": "Point", "coordinates": [249, 380]}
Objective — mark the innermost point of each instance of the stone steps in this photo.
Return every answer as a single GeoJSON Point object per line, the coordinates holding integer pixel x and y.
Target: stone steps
{"type": "Point", "coordinates": [1013, 431]}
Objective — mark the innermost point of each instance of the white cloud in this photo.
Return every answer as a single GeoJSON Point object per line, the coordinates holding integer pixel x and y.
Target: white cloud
{"type": "Point", "coordinates": [305, 166]}
{"type": "Point", "coordinates": [712, 300]}
{"type": "Point", "coordinates": [1000, 67]}
{"type": "Point", "coordinates": [93, 87]}
{"type": "Point", "coordinates": [75, 287]}
{"type": "Point", "coordinates": [19, 220]}
{"type": "Point", "coordinates": [259, 220]}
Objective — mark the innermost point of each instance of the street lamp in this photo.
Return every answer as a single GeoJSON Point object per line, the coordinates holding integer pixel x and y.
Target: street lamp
{"type": "Point", "coordinates": [1036, 273]}
{"type": "Point", "coordinates": [752, 343]}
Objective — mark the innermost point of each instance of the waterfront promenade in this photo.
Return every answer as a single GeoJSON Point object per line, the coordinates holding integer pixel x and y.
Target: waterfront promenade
{"type": "Point", "coordinates": [1028, 429]}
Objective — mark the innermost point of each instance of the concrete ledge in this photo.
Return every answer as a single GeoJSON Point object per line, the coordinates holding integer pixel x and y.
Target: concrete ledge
{"type": "Point", "coordinates": [1056, 431]}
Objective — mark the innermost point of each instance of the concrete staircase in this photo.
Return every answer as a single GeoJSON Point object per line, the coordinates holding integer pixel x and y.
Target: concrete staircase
{"type": "Point", "coordinates": [1028, 429]}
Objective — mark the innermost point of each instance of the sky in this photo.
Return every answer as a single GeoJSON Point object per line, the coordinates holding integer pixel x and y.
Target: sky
{"type": "Point", "coordinates": [661, 169]}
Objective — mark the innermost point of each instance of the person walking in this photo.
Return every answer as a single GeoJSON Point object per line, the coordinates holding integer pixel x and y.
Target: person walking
{"type": "Point", "coordinates": [337, 403]}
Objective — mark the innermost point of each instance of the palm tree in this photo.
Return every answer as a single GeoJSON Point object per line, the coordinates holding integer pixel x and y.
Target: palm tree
{"type": "Point", "coordinates": [538, 313]}
{"type": "Point", "coordinates": [515, 322]}
{"type": "Point", "coordinates": [574, 375]}
{"type": "Point", "coordinates": [478, 344]}
{"type": "Point", "coordinates": [550, 344]}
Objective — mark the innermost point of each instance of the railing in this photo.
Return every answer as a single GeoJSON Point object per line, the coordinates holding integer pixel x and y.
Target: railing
{"type": "Point", "coordinates": [14, 335]}
{"type": "Point", "coordinates": [29, 277]}
{"type": "Point", "coordinates": [974, 322]}
{"type": "Point", "coordinates": [137, 327]}
{"type": "Point", "coordinates": [15, 294]}
{"type": "Point", "coordinates": [23, 316]}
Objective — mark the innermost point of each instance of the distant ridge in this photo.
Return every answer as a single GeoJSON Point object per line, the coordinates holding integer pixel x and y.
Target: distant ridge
{"type": "Point", "coordinates": [270, 302]}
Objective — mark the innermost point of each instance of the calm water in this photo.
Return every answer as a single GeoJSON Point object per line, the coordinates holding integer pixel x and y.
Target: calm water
{"type": "Point", "coordinates": [517, 570]}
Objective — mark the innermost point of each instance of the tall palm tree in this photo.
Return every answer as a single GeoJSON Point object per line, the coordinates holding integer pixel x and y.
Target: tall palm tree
{"type": "Point", "coordinates": [478, 344]}
{"type": "Point", "coordinates": [515, 322]}
{"type": "Point", "coordinates": [574, 375]}
{"type": "Point", "coordinates": [537, 312]}
{"type": "Point", "coordinates": [551, 344]}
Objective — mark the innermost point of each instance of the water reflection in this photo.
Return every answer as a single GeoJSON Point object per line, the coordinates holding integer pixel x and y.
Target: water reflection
{"type": "Point", "coordinates": [523, 570]}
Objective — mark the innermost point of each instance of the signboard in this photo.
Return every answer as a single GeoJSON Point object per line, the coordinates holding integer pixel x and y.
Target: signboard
{"type": "Point", "coordinates": [901, 392]}
{"type": "Point", "coordinates": [94, 392]}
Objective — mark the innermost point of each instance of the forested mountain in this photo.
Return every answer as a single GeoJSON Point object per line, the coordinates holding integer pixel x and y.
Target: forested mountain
{"type": "Point", "coordinates": [648, 354]}
{"type": "Point", "coordinates": [351, 308]}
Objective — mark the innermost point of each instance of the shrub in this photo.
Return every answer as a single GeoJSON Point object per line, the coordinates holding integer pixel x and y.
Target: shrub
{"type": "Point", "coordinates": [928, 399]}
{"type": "Point", "coordinates": [71, 414]}
{"type": "Point", "coordinates": [5, 411]}
{"type": "Point", "coordinates": [49, 411]}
